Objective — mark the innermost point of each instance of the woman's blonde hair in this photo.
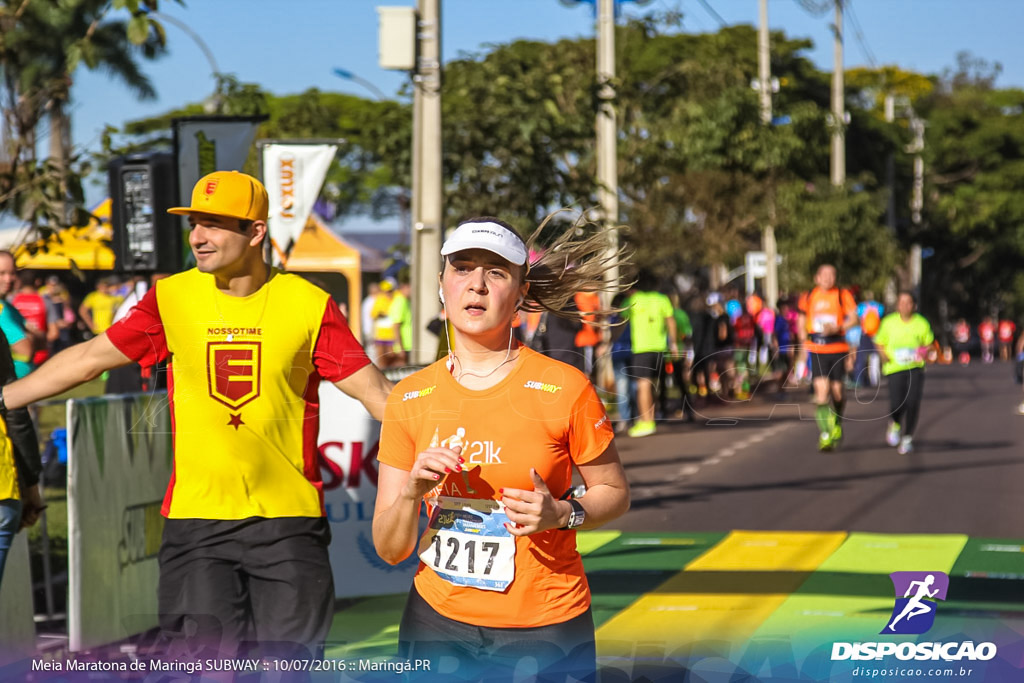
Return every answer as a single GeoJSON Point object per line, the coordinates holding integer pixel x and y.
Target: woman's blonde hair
{"type": "Point", "coordinates": [575, 261]}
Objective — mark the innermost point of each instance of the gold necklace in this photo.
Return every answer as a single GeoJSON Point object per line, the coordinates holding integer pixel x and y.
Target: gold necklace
{"type": "Point", "coordinates": [266, 298]}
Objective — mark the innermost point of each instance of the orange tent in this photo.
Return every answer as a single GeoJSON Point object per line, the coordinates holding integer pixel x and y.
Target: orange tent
{"type": "Point", "coordinates": [322, 256]}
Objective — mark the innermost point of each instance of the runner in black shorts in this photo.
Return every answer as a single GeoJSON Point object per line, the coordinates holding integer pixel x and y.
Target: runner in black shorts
{"type": "Point", "coordinates": [826, 312]}
{"type": "Point", "coordinates": [830, 365]}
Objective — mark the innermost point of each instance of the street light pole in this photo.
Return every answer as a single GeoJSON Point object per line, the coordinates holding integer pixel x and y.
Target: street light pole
{"type": "Point", "coordinates": [349, 76]}
{"type": "Point", "coordinates": [607, 159]}
{"type": "Point", "coordinates": [764, 77]}
{"type": "Point", "coordinates": [428, 203]}
{"type": "Point", "coordinates": [838, 104]}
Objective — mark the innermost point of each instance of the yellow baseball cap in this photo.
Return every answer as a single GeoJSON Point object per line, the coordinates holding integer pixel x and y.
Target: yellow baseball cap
{"type": "Point", "coordinates": [228, 193]}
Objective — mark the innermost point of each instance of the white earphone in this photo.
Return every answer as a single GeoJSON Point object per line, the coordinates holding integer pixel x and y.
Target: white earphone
{"type": "Point", "coordinates": [520, 301]}
{"type": "Point", "coordinates": [440, 293]}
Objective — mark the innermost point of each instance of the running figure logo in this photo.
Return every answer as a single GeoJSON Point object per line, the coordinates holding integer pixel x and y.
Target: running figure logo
{"type": "Point", "coordinates": [914, 613]}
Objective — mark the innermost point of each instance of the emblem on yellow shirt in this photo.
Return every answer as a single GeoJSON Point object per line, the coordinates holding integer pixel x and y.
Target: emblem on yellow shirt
{"type": "Point", "coordinates": [233, 375]}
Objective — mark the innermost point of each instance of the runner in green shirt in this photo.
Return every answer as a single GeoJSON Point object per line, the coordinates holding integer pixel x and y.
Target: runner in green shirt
{"type": "Point", "coordinates": [653, 331]}
{"type": "Point", "coordinates": [904, 341]}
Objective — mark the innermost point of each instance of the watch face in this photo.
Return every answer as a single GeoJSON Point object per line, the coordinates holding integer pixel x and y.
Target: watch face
{"type": "Point", "coordinates": [577, 516]}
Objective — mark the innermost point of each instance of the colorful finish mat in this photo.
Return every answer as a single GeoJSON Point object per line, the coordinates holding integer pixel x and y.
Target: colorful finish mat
{"type": "Point", "coordinates": [772, 606]}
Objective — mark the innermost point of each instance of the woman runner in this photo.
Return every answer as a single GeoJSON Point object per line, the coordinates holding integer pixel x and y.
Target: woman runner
{"type": "Point", "coordinates": [489, 438]}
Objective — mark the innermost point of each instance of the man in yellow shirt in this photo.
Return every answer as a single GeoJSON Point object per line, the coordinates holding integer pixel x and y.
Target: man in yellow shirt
{"type": "Point", "coordinates": [244, 551]}
{"type": "Point", "coordinates": [98, 307]}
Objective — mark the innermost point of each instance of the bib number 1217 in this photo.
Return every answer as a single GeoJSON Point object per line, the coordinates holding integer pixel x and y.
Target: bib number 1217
{"type": "Point", "coordinates": [467, 544]}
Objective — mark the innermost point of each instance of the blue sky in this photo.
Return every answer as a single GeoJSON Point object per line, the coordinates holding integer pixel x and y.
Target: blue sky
{"type": "Point", "coordinates": [288, 46]}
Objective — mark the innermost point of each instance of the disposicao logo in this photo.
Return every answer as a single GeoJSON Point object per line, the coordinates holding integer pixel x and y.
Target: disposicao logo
{"type": "Point", "coordinates": [914, 612]}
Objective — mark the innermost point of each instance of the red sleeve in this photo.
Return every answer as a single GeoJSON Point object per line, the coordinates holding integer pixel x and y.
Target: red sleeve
{"type": "Point", "coordinates": [140, 334]}
{"type": "Point", "coordinates": [337, 354]}
{"type": "Point", "coordinates": [802, 303]}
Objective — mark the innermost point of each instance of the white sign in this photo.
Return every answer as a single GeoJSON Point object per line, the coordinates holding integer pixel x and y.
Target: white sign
{"type": "Point", "coordinates": [293, 175]}
{"type": "Point", "coordinates": [348, 464]}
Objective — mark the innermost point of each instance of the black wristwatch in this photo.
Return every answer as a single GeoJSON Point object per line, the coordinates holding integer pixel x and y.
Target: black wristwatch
{"type": "Point", "coordinates": [3, 406]}
{"type": "Point", "coordinates": [577, 516]}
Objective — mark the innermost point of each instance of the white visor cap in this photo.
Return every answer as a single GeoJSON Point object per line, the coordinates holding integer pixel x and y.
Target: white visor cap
{"type": "Point", "coordinates": [491, 237]}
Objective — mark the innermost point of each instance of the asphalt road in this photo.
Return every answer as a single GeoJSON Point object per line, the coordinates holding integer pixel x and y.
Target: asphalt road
{"type": "Point", "coordinates": [754, 465]}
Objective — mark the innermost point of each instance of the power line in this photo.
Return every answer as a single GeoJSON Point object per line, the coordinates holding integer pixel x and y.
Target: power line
{"type": "Point", "coordinates": [815, 7]}
{"type": "Point", "coordinates": [860, 36]}
{"type": "Point", "coordinates": [722, 23]}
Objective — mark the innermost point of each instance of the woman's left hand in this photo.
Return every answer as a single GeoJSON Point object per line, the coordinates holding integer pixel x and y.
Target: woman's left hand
{"type": "Point", "coordinates": [532, 511]}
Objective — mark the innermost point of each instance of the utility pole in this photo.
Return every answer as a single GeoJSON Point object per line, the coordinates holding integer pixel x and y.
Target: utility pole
{"type": "Point", "coordinates": [764, 67]}
{"type": "Point", "coordinates": [890, 169]}
{"type": "Point", "coordinates": [917, 126]}
{"type": "Point", "coordinates": [607, 160]}
{"type": "Point", "coordinates": [916, 200]}
{"type": "Point", "coordinates": [764, 77]}
{"type": "Point", "coordinates": [428, 198]}
{"type": "Point", "coordinates": [838, 105]}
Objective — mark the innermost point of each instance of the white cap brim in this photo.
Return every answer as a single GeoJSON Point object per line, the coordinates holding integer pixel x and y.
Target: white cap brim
{"type": "Point", "coordinates": [491, 237]}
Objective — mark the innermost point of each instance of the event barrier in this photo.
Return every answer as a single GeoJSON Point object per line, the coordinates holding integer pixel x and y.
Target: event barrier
{"type": "Point", "coordinates": [119, 463]}
{"type": "Point", "coordinates": [17, 630]}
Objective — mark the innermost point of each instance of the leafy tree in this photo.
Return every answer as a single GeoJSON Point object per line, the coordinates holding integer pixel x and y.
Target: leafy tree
{"type": "Point", "coordinates": [42, 42]}
{"type": "Point", "coordinates": [974, 213]}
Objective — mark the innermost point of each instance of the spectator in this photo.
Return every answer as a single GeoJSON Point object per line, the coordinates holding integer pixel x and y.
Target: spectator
{"type": "Point", "coordinates": [622, 359]}
{"type": "Point", "coordinates": [99, 306]}
{"type": "Point", "coordinates": [60, 310]}
{"type": "Point", "coordinates": [12, 323]}
{"type": "Point", "coordinates": [366, 318]}
{"type": "Point", "coordinates": [589, 335]}
{"type": "Point", "coordinates": [703, 342]}
{"type": "Point", "coordinates": [20, 499]}
{"type": "Point", "coordinates": [556, 337]}
{"type": "Point", "coordinates": [33, 308]}
{"type": "Point", "coordinates": [401, 315]}
{"type": "Point", "coordinates": [384, 339]}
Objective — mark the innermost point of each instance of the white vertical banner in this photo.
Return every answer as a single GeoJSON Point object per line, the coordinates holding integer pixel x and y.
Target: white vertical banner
{"type": "Point", "coordinates": [293, 174]}
{"type": "Point", "coordinates": [208, 143]}
{"type": "Point", "coordinates": [348, 464]}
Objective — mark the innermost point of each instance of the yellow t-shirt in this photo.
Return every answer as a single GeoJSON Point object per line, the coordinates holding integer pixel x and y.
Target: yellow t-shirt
{"type": "Point", "coordinates": [9, 489]}
{"type": "Point", "coordinates": [102, 307]}
{"type": "Point", "coordinates": [545, 414]}
{"type": "Point", "coordinates": [243, 379]}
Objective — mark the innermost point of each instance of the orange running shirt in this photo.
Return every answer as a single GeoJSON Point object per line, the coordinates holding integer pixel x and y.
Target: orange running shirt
{"type": "Point", "coordinates": [242, 382]}
{"type": "Point", "coordinates": [544, 414]}
{"type": "Point", "coordinates": [588, 302]}
{"type": "Point", "coordinates": [824, 307]}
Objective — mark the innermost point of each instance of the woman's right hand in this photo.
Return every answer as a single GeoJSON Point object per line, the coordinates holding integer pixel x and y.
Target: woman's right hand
{"type": "Point", "coordinates": [430, 469]}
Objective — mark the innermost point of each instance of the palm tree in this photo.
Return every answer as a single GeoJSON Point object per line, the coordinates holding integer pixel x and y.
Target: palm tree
{"type": "Point", "coordinates": [43, 42]}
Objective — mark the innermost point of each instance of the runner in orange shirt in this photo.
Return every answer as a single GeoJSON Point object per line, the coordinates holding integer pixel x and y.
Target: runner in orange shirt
{"type": "Point", "coordinates": [826, 312]}
{"type": "Point", "coordinates": [489, 438]}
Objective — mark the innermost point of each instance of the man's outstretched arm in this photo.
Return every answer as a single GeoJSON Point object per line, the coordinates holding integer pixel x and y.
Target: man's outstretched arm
{"type": "Point", "coordinates": [69, 368]}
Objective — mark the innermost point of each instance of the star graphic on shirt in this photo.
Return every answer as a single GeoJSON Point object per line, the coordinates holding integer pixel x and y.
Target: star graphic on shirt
{"type": "Point", "coordinates": [236, 421]}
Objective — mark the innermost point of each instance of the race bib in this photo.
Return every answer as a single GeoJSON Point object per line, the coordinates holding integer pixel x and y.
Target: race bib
{"type": "Point", "coordinates": [467, 544]}
{"type": "Point", "coordinates": [905, 356]}
{"type": "Point", "coordinates": [820, 322]}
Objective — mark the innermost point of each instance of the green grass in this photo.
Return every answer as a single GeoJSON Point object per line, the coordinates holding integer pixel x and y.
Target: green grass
{"type": "Point", "coordinates": [54, 414]}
